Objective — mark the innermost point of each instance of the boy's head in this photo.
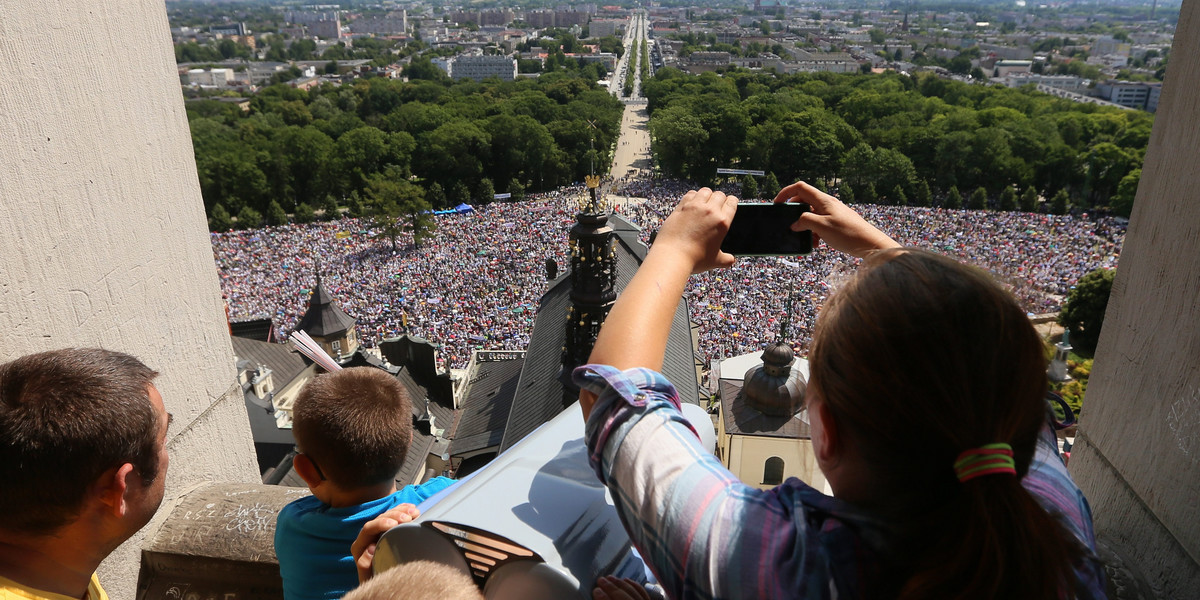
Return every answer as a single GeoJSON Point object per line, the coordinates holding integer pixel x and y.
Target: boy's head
{"type": "Point", "coordinates": [420, 580]}
{"type": "Point", "coordinates": [354, 425]}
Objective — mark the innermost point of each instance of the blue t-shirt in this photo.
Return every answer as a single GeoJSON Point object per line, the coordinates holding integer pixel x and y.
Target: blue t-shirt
{"type": "Point", "coordinates": [312, 540]}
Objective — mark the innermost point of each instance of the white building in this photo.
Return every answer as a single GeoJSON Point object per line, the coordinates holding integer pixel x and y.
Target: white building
{"type": "Point", "coordinates": [1130, 94]}
{"type": "Point", "coordinates": [1069, 83]}
{"type": "Point", "coordinates": [219, 78]}
{"type": "Point", "coordinates": [480, 67]}
{"type": "Point", "coordinates": [392, 23]}
{"type": "Point", "coordinates": [599, 28]}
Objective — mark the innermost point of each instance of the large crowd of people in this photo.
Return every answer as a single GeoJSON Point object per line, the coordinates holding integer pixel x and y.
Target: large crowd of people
{"type": "Point", "coordinates": [476, 283]}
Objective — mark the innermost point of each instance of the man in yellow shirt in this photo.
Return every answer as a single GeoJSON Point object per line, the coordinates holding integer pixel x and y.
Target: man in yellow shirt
{"type": "Point", "coordinates": [83, 461]}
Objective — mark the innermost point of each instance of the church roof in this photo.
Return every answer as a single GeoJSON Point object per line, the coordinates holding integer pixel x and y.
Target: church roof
{"type": "Point", "coordinates": [741, 419]}
{"type": "Point", "coordinates": [486, 409]}
{"type": "Point", "coordinates": [285, 364]}
{"type": "Point", "coordinates": [540, 395]}
{"type": "Point", "coordinates": [324, 318]}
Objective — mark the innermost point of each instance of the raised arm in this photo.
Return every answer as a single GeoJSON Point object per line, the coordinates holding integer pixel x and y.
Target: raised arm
{"type": "Point", "coordinates": [635, 331]}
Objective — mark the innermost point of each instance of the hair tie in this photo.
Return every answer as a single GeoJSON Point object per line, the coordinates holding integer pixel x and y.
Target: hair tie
{"type": "Point", "coordinates": [985, 460]}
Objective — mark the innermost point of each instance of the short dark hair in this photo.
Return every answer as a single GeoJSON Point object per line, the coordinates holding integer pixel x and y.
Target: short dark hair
{"type": "Point", "coordinates": [66, 417]}
{"type": "Point", "coordinates": [355, 424]}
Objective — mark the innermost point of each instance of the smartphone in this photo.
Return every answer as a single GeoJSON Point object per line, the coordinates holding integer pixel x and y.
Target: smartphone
{"type": "Point", "coordinates": [764, 229]}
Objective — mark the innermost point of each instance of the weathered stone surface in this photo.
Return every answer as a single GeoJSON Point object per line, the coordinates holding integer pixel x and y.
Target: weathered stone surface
{"type": "Point", "coordinates": [217, 542]}
{"type": "Point", "coordinates": [1140, 461]}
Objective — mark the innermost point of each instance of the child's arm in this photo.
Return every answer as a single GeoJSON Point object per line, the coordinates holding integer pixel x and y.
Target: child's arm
{"type": "Point", "coordinates": [363, 548]}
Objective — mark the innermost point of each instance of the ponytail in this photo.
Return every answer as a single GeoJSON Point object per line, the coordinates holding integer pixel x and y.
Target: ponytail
{"type": "Point", "coordinates": [994, 540]}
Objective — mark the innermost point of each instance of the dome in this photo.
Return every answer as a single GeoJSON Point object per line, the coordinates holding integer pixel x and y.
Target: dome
{"type": "Point", "coordinates": [778, 358]}
{"type": "Point", "coordinates": [774, 387]}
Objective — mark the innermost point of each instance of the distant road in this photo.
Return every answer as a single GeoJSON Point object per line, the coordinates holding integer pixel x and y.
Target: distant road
{"type": "Point", "coordinates": [633, 147]}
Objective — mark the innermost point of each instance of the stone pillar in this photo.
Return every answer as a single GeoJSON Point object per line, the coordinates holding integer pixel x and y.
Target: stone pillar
{"type": "Point", "coordinates": [1138, 453]}
{"type": "Point", "coordinates": [102, 228]}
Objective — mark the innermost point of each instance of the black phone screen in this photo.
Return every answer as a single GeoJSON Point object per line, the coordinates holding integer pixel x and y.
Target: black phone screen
{"type": "Point", "coordinates": [763, 229]}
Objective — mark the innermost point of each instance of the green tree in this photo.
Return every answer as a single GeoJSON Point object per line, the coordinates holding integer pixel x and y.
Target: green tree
{"type": "Point", "coordinates": [304, 213]}
{"type": "Point", "coordinates": [749, 187]}
{"type": "Point", "coordinates": [517, 190]}
{"type": "Point", "coordinates": [1061, 203]}
{"type": "Point", "coordinates": [866, 193]}
{"type": "Point", "coordinates": [354, 206]}
{"type": "Point", "coordinates": [329, 207]}
{"type": "Point", "coordinates": [1107, 164]}
{"type": "Point", "coordinates": [846, 193]}
{"type": "Point", "coordinates": [220, 219]}
{"type": "Point", "coordinates": [978, 199]}
{"type": "Point", "coordinates": [1008, 199]}
{"type": "Point", "coordinates": [275, 214]}
{"type": "Point", "coordinates": [1083, 312]}
{"type": "Point", "coordinates": [921, 194]}
{"type": "Point", "coordinates": [248, 218]}
{"type": "Point", "coordinates": [459, 194]}
{"type": "Point", "coordinates": [1029, 200]}
{"type": "Point", "coordinates": [396, 205]}
{"type": "Point", "coordinates": [953, 199]}
{"type": "Point", "coordinates": [1122, 202]}
{"type": "Point", "coordinates": [897, 197]}
{"type": "Point", "coordinates": [770, 186]}
{"type": "Point", "coordinates": [436, 196]}
{"type": "Point", "coordinates": [485, 192]}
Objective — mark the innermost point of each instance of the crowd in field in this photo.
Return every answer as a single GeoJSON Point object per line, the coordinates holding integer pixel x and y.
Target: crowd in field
{"type": "Point", "coordinates": [476, 282]}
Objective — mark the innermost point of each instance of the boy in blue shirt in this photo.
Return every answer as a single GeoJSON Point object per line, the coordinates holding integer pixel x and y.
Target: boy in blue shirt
{"type": "Point", "coordinates": [352, 428]}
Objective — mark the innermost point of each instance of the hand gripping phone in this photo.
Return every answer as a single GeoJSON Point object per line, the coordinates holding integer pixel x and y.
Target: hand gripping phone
{"type": "Point", "coordinates": [764, 229]}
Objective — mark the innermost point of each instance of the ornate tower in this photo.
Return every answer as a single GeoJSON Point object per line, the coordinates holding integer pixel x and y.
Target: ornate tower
{"type": "Point", "coordinates": [593, 278]}
{"type": "Point", "coordinates": [328, 324]}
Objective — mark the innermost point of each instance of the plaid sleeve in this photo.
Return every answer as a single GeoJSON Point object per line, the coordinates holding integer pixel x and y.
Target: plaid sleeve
{"type": "Point", "coordinates": [703, 532]}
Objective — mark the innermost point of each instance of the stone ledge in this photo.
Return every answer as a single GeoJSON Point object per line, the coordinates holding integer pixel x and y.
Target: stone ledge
{"type": "Point", "coordinates": [217, 543]}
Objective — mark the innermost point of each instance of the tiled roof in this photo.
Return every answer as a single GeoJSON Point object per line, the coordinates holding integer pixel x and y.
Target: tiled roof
{"type": "Point", "coordinates": [285, 364]}
{"type": "Point", "coordinates": [741, 419]}
{"type": "Point", "coordinates": [486, 409]}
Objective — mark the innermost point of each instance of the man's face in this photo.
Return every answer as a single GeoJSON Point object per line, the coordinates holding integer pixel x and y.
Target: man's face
{"type": "Point", "coordinates": [145, 499]}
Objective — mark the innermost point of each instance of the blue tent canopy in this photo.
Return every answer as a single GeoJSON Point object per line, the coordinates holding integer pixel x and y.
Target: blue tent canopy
{"type": "Point", "coordinates": [463, 208]}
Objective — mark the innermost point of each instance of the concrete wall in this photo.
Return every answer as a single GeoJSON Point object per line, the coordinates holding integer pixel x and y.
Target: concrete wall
{"type": "Point", "coordinates": [102, 229]}
{"type": "Point", "coordinates": [1140, 461]}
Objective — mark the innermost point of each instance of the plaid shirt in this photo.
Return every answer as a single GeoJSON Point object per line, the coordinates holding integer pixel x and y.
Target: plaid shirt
{"type": "Point", "coordinates": [705, 534]}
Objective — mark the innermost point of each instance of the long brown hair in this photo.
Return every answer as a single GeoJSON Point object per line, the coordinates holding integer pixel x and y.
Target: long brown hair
{"type": "Point", "coordinates": [919, 358]}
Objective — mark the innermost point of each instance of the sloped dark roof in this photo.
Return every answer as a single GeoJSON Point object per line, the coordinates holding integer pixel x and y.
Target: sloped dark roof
{"type": "Point", "coordinates": [741, 419]}
{"type": "Point", "coordinates": [255, 329]}
{"type": "Point", "coordinates": [324, 317]}
{"type": "Point", "coordinates": [486, 409]}
{"type": "Point", "coordinates": [285, 364]}
{"type": "Point", "coordinates": [540, 395]}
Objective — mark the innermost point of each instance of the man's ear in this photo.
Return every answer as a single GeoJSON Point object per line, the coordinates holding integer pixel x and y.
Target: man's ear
{"type": "Point", "coordinates": [307, 471]}
{"type": "Point", "coordinates": [110, 489]}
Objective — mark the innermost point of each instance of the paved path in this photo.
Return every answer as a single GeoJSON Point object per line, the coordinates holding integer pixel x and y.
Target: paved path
{"type": "Point", "coordinates": [633, 147]}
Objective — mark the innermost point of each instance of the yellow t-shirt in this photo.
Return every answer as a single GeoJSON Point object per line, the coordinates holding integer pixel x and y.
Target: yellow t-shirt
{"type": "Point", "coordinates": [11, 590]}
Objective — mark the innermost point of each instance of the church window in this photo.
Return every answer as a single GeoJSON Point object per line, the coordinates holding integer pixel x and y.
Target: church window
{"type": "Point", "coordinates": [773, 471]}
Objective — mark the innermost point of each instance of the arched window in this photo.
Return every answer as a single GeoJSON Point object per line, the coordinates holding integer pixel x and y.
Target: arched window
{"type": "Point", "coordinates": [773, 471]}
